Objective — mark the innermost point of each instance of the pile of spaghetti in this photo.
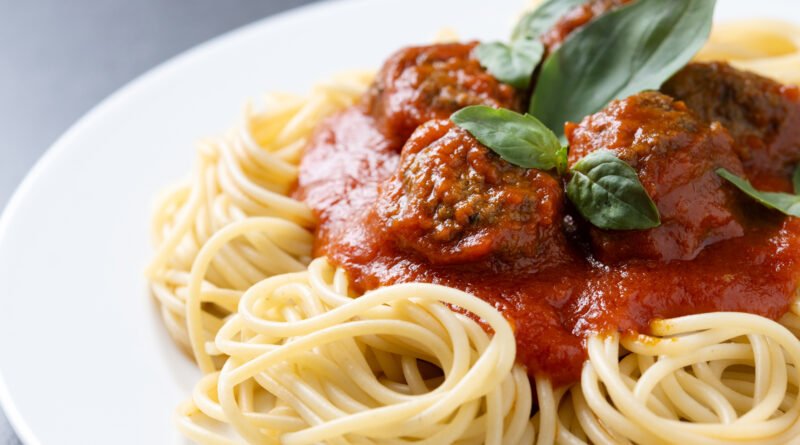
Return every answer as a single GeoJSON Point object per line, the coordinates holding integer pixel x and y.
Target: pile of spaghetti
{"type": "Point", "coordinates": [294, 353]}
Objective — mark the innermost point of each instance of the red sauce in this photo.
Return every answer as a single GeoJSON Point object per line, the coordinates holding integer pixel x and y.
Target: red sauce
{"type": "Point", "coordinates": [762, 115]}
{"type": "Point", "coordinates": [453, 201]}
{"type": "Point", "coordinates": [577, 18]}
{"type": "Point", "coordinates": [554, 309]}
{"type": "Point", "coordinates": [421, 83]}
{"type": "Point", "coordinates": [554, 297]}
{"type": "Point", "coordinates": [675, 154]}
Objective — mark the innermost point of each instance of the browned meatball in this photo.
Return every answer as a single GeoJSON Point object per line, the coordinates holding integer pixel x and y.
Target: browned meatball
{"type": "Point", "coordinates": [452, 200]}
{"type": "Point", "coordinates": [762, 115]}
{"type": "Point", "coordinates": [576, 18]}
{"type": "Point", "coordinates": [421, 83]}
{"type": "Point", "coordinates": [675, 155]}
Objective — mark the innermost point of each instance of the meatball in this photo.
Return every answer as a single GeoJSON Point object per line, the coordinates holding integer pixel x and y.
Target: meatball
{"type": "Point", "coordinates": [452, 201]}
{"type": "Point", "coordinates": [762, 115]}
{"type": "Point", "coordinates": [576, 18]}
{"type": "Point", "coordinates": [675, 154]}
{"type": "Point", "coordinates": [421, 83]}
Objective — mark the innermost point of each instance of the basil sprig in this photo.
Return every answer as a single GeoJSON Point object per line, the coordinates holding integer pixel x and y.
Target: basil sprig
{"type": "Point", "coordinates": [785, 203]}
{"type": "Point", "coordinates": [514, 62]}
{"type": "Point", "coordinates": [511, 63]}
{"type": "Point", "coordinates": [533, 24]}
{"type": "Point", "coordinates": [630, 49]}
{"type": "Point", "coordinates": [604, 189]}
{"type": "Point", "coordinates": [519, 139]}
{"type": "Point", "coordinates": [608, 193]}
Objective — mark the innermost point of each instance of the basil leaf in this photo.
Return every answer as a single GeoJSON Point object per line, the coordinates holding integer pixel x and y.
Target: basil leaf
{"type": "Point", "coordinates": [535, 23]}
{"type": "Point", "coordinates": [796, 180]}
{"type": "Point", "coordinates": [608, 193]}
{"type": "Point", "coordinates": [782, 202]}
{"type": "Point", "coordinates": [561, 159]}
{"type": "Point", "coordinates": [630, 49]}
{"type": "Point", "coordinates": [513, 63]}
{"type": "Point", "coordinates": [519, 139]}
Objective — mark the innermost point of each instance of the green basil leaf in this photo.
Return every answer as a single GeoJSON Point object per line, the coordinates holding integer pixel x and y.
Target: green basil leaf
{"type": "Point", "coordinates": [513, 63]}
{"type": "Point", "coordinates": [561, 159]}
{"type": "Point", "coordinates": [608, 193]}
{"type": "Point", "coordinates": [630, 49]}
{"type": "Point", "coordinates": [535, 23]}
{"type": "Point", "coordinates": [796, 180]}
{"type": "Point", "coordinates": [519, 139]}
{"type": "Point", "coordinates": [783, 202]}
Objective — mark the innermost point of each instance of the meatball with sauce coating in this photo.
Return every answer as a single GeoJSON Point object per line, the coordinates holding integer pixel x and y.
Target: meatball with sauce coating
{"type": "Point", "coordinates": [452, 200]}
{"type": "Point", "coordinates": [421, 83]}
{"type": "Point", "coordinates": [762, 115]}
{"type": "Point", "coordinates": [577, 18]}
{"type": "Point", "coordinates": [675, 154]}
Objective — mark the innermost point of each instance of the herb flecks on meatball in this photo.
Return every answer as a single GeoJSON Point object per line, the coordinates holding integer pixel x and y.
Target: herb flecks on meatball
{"type": "Point", "coordinates": [762, 115]}
{"type": "Point", "coordinates": [452, 200]}
{"type": "Point", "coordinates": [421, 83]}
{"type": "Point", "coordinates": [577, 18]}
{"type": "Point", "coordinates": [675, 154]}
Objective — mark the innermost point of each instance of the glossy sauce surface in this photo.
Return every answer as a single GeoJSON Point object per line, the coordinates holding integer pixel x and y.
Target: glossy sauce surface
{"type": "Point", "coordinates": [576, 18]}
{"type": "Point", "coordinates": [552, 287]}
{"type": "Point", "coordinates": [554, 308]}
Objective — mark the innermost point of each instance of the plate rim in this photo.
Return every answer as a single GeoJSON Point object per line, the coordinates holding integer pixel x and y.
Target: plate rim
{"type": "Point", "coordinates": [111, 101]}
{"type": "Point", "coordinates": [118, 98]}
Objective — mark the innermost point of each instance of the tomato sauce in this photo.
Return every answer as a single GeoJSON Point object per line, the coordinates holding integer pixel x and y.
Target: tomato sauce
{"type": "Point", "coordinates": [576, 18]}
{"type": "Point", "coordinates": [555, 302]}
{"type": "Point", "coordinates": [554, 309]}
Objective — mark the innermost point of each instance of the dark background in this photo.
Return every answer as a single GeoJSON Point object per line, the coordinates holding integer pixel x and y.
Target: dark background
{"type": "Point", "coordinates": [58, 58]}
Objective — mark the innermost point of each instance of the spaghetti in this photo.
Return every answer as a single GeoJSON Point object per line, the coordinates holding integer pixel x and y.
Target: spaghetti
{"type": "Point", "coordinates": [243, 174]}
{"type": "Point", "coordinates": [307, 363]}
{"type": "Point", "coordinates": [767, 47]}
{"type": "Point", "coordinates": [291, 356]}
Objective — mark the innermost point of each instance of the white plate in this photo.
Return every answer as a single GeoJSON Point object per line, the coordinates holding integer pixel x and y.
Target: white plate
{"type": "Point", "coordinates": [83, 355]}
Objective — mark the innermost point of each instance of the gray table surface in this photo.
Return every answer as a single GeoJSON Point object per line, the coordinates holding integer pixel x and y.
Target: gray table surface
{"type": "Point", "coordinates": [59, 58]}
